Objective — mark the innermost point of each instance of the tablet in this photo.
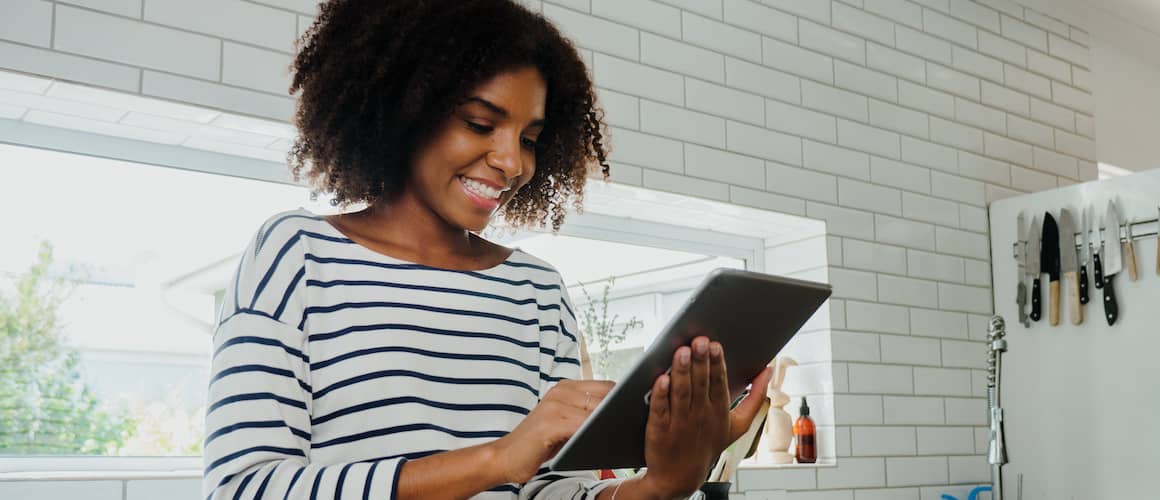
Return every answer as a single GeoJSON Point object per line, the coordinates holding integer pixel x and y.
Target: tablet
{"type": "Point", "coordinates": [752, 315]}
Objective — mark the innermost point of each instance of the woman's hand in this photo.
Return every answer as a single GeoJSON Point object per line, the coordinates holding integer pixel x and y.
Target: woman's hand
{"type": "Point", "coordinates": [545, 430]}
{"type": "Point", "coordinates": [690, 423]}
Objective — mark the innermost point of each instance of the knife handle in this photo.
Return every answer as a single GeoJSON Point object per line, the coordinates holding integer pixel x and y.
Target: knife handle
{"type": "Point", "coordinates": [1036, 306]}
{"type": "Point", "coordinates": [1083, 285]}
{"type": "Point", "coordinates": [1111, 309]}
{"type": "Point", "coordinates": [1074, 310]}
{"type": "Point", "coordinates": [1098, 269]}
{"type": "Point", "coordinates": [1053, 314]}
{"type": "Point", "coordinates": [1130, 254]}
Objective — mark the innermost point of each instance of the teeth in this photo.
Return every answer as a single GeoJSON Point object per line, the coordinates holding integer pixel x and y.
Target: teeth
{"type": "Point", "coordinates": [481, 188]}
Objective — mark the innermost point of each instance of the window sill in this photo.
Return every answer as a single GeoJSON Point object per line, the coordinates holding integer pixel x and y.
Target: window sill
{"type": "Point", "coordinates": [143, 468]}
{"type": "Point", "coordinates": [72, 468]}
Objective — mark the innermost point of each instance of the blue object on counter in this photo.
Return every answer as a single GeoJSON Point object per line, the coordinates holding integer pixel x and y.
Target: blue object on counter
{"type": "Point", "coordinates": [973, 495]}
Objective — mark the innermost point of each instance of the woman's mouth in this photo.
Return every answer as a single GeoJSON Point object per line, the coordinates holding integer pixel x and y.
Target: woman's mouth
{"type": "Point", "coordinates": [484, 196]}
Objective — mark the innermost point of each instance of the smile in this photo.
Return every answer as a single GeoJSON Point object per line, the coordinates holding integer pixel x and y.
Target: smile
{"type": "Point", "coordinates": [481, 189]}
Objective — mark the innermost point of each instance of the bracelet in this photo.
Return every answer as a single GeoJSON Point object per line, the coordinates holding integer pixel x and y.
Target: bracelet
{"type": "Point", "coordinates": [617, 490]}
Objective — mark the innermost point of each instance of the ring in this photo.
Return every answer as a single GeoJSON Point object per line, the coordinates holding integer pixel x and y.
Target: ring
{"type": "Point", "coordinates": [587, 399]}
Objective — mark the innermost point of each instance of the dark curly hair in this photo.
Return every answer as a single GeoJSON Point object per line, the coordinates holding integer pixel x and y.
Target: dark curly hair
{"type": "Point", "coordinates": [378, 77]}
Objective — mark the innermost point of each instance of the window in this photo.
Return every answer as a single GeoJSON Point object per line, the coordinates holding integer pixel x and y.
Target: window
{"type": "Point", "coordinates": [105, 348]}
{"type": "Point", "coordinates": [131, 260]}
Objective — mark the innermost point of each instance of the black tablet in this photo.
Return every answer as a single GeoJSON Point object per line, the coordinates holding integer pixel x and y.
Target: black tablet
{"type": "Point", "coordinates": [752, 315]}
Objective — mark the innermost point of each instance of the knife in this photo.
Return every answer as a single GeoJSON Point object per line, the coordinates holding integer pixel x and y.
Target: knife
{"type": "Point", "coordinates": [1085, 259]}
{"type": "Point", "coordinates": [1097, 263]}
{"type": "Point", "coordinates": [1158, 246]}
{"type": "Point", "coordinates": [1032, 268]}
{"type": "Point", "coordinates": [1130, 253]}
{"type": "Point", "coordinates": [1068, 266]}
{"type": "Point", "coordinates": [1112, 263]}
{"type": "Point", "coordinates": [1049, 260]}
{"type": "Point", "coordinates": [1021, 261]}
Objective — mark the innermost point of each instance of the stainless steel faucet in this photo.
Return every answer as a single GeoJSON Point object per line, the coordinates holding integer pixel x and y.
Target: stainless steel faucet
{"type": "Point", "coordinates": [997, 450]}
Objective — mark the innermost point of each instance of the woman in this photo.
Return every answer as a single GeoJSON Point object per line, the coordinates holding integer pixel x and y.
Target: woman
{"type": "Point", "coordinates": [394, 353]}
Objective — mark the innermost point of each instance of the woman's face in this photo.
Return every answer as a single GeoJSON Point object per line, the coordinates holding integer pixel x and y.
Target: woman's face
{"type": "Point", "coordinates": [485, 152]}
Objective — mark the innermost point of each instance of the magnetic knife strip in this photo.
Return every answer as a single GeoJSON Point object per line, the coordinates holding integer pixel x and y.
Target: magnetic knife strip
{"type": "Point", "coordinates": [1140, 230]}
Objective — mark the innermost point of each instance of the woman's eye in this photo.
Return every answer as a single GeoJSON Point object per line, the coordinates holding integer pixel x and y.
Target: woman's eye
{"type": "Point", "coordinates": [483, 129]}
{"type": "Point", "coordinates": [528, 143]}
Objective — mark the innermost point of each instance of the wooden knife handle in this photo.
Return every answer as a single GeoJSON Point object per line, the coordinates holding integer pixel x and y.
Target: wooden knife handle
{"type": "Point", "coordinates": [1098, 270]}
{"type": "Point", "coordinates": [1130, 254]}
{"type": "Point", "coordinates": [1053, 314]}
{"type": "Point", "coordinates": [1111, 309]}
{"type": "Point", "coordinates": [1083, 285]}
{"type": "Point", "coordinates": [1074, 309]}
{"type": "Point", "coordinates": [1036, 304]}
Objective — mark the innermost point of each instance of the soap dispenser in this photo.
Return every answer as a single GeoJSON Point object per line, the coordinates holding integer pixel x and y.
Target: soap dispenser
{"type": "Point", "coordinates": [806, 434]}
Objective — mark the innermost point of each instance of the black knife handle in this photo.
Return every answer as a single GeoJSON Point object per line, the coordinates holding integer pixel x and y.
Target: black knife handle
{"type": "Point", "coordinates": [1098, 269]}
{"type": "Point", "coordinates": [1083, 285]}
{"type": "Point", "coordinates": [1111, 309]}
{"type": "Point", "coordinates": [1036, 302]}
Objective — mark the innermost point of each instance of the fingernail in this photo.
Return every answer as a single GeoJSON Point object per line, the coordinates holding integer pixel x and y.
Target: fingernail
{"type": "Point", "coordinates": [683, 357]}
{"type": "Point", "coordinates": [716, 349]}
{"type": "Point", "coordinates": [701, 348]}
{"type": "Point", "coordinates": [664, 383]}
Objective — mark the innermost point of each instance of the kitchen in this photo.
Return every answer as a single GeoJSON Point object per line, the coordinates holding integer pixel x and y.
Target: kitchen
{"type": "Point", "coordinates": [887, 147]}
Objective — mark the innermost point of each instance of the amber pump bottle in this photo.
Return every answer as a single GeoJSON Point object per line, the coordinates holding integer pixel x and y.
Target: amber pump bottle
{"type": "Point", "coordinates": [803, 429]}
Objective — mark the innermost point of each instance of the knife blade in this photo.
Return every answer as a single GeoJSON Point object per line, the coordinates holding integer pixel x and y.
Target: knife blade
{"type": "Point", "coordinates": [1158, 244]}
{"type": "Point", "coordinates": [1068, 266]}
{"type": "Point", "coordinates": [1033, 268]}
{"type": "Point", "coordinates": [1085, 258]}
{"type": "Point", "coordinates": [1097, 262]}
{"type": "Point", "coordinates": [1112, 261]}
{"type": "Point", "coordinates": [1021, 262]}
{"type": "Point", "coordinates": [1049, 260]}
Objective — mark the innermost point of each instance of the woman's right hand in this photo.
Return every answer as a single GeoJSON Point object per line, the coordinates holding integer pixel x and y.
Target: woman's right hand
{"type": "Point", "coordinates": [544, 431]}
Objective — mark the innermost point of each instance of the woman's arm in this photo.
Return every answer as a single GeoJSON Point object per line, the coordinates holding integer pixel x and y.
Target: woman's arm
{"type": "Point", "coordinates": [513, 459]}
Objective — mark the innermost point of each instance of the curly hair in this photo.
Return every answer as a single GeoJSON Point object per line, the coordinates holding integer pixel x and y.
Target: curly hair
{"type": "Point", "coordinates": [377, 78]}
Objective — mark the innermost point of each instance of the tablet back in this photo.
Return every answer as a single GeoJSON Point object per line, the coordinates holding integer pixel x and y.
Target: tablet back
{"type": "Point", "coordinates": [752, 315]}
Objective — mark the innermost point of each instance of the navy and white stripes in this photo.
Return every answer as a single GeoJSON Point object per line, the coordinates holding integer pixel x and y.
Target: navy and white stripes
{"type": "Point", "coordinates": [334, 364]}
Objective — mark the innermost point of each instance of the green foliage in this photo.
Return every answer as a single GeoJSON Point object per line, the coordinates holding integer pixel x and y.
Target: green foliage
{"type": "Point", "coordinates": [601, 331]}
{"type": "Point", "coordinates": [45, 407]}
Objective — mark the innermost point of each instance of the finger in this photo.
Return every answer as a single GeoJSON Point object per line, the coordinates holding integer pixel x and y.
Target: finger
{"type": "Point", "coordinates": [700, 372]}
{"type": "Point", "coordinates": [746, 410]}
{"type": "Point", "coordinates": [585, 395]}
{"type": "Point", "coordinates": [563, 421]}
{"type": "Point", "coordinates": [659, 413]}
{"type": "Point", "coordinates": [601, 387]}
{"type": "Point", "coordinates": [718, 376]}
{"type": "Point", "coordinates": [679, 382]}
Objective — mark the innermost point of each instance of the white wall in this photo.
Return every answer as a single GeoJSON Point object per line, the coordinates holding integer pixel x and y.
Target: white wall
{"type": "Point", "coordinates": [1127, 93]}
{"type": "Point", "coordinates": [895, 121]}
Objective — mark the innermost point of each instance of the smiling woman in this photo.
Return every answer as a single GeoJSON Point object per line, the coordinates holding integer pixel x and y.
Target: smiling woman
{"type": "Point", "coordinates": [393, 352]}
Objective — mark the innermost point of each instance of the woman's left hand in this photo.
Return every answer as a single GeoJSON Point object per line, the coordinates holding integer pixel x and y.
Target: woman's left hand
{"type": "Point", "coordinates": [690, 423]}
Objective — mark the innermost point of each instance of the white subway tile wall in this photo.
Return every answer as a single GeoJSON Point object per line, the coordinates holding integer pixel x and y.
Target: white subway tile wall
{"type": "Point", "coordinates": [895, 121]}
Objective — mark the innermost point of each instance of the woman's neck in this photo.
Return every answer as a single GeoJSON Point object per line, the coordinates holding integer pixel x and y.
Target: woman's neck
{"type": "Point", "coordinates": [405, 228]}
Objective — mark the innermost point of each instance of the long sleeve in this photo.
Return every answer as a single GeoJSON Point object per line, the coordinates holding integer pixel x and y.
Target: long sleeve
{"type": "Point", "coordinates": [548, 485]}
{"type": "Point", "coordinates": [258, 422]}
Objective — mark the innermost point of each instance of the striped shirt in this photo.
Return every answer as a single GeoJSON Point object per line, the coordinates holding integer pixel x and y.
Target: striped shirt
{"type": "Point", "coordinates": [334, 364]}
